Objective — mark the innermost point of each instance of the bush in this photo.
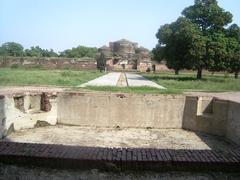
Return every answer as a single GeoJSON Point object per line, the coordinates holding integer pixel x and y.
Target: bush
{"type": "Point", "coordinates": [14, 66]}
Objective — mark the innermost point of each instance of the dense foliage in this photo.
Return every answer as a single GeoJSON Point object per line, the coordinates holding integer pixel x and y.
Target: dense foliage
{"type": "Point", "coordinates": [17, 50]}
{"type": "Point", "coordinates": [80, 51]}
{"type": "Point", "coordinates": [101, 62]}
{"type": "Point", "coordinates": [200, 40]}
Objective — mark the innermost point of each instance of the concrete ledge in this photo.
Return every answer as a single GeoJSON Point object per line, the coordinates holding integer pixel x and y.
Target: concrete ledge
{"type": "Point", "coordinates": [60, 156]}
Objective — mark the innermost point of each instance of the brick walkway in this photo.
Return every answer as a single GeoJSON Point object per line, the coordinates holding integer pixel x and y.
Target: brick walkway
{"type": "Point", "coordinates": [118, 158]}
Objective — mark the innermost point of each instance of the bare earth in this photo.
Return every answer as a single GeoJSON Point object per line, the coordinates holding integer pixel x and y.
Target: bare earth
{"type": "Point", "coordinates": [106, 137]}
{"type": "Point", "coordinates": [11, 172]}
{"type": "Point", "coordinates": [102, 137]}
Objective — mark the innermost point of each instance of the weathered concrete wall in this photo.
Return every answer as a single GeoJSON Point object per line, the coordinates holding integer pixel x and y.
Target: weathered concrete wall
{"type": "Point", "coordinates": [123, 110]}
{"type": "Point", "coordinates": [49, 63]}
{"type": "Point", "coordinates": [22, 111]}
{"type": "Point", "coordinates": [205, 114]}
{"type": "Point", "coordinates": [211, 115]}
{"type": "Point", "coordinates": [233, 122]}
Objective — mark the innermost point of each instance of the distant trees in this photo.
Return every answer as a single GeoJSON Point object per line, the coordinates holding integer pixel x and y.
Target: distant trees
{"type": "Point", "coordinates": [199, 40]}
{"type": "Point", "coordinates": [11, 49]}
{"type": "Point", "coordinates": [38, 52]}
{"type": "Point", "coordinates": [80, 51]}
{"type": "Point", "coordinates": [17, 50]}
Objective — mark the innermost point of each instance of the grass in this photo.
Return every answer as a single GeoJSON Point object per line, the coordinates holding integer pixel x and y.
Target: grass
{"type": "Point", "coordinates": [69, 78]}
{"type": "Point", "coordinates": [140, 90]}
{"type": "Point", "coordinates": [188, 82]}
{"type": "Point", "coordinates": [38, 77]}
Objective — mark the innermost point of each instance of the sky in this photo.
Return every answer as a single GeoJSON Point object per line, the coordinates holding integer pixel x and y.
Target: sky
{"type": "Point", "coordinates": [63, 24]}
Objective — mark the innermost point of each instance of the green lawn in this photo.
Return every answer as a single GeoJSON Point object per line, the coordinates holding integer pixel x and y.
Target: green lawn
{"type": "Point", "coordinates": [188, 82]}
{"type": "Point", "coordinates": [69, 78]}
{"type": "Point", "coordinates": [38, 77]}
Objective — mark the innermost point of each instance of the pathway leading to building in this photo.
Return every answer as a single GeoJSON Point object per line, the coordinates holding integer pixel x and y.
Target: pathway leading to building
{"type": "Point", "coordinates": [112, 79]}
{"type": "Point", "coordinates": [136, 80]}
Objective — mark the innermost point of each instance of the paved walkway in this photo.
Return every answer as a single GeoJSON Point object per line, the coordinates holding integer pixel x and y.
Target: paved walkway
{"type": "Point", "coordinates": [136, 80]}
{"type": "Point", "coordinates": [111, 79]}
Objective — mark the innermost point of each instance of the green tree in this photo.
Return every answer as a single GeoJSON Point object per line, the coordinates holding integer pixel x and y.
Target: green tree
{"type": "Point", "coordinates": [211, 19]}
{"type": "Point", "coordinates": [11, 49]}
{"type": "Point", "coordinates": [175, 44]}
{"type": "Point", "coordinates": [101, 62]}
{"type": "Point", "coordinates": [39, 52]}
{"type": "Point", "coordinates": [208, 15]}
{"type": "Point", "coordinates": [158, 53]}
{"type": "Point", "coordinates": [233, 49]}
{"type": "Point", "coordinates": [79, 52]}
{"type": "Point", "coordinates": [34, 52]}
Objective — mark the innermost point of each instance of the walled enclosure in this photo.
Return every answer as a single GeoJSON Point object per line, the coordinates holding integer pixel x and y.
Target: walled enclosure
{"type": "Point", "coordinates": [204, 114]}
{"type": "Point", "coordinates": [49, 63]}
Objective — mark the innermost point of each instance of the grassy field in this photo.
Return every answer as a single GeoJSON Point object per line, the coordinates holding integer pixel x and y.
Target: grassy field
{"type": "Point", "coordinates": [37, 77]}
{"type": "Point", "coordinates": [188, 82]}
{"type": "Point", "coordinates": [69, 78]}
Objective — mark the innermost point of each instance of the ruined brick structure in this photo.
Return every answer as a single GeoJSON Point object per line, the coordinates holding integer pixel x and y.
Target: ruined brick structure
{"type": "Point", "coordinates": [49, 63]}
{"type": "Point", "coordinates": [126, 55]}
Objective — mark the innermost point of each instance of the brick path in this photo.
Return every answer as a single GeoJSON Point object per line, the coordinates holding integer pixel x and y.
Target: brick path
{"type": "Point", "coordinates": [118, 158]}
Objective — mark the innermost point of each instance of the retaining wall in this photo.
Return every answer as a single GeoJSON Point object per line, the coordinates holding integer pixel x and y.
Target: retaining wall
{"type": "Point", "coordinates": [214, 116]}
{"type": "Point", "coordinates": [123, 110]}
{"type": "Point", "coordinates": [200, 114]}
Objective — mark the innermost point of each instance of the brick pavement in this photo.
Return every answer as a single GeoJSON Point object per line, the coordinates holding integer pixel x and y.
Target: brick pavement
{"type": "Point", "coordinates": [61, 156]}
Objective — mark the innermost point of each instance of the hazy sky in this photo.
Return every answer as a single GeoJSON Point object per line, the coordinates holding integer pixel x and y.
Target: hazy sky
{"type": "Point", "coordinates": [63, 24]}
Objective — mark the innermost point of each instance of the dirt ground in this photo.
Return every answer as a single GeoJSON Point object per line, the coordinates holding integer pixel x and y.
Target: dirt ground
{"type": "Point", "coordinates": [108, 137]}
{"type": "Point", "coordinates": [10, 172]}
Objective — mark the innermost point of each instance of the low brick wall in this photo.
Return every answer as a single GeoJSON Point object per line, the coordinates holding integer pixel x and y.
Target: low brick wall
{"type": "Point", "coordinates": [50, 63]}
{"type": "Point", "coordinates": [118, 159]}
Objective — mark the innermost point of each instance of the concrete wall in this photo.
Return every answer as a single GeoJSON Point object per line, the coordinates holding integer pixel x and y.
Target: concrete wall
{"type": "Point", "coordinates": [204, 114]}
{"type": "Point", "coordinates": [22, 111]}
{"type": "Point", "coordinates": [123, 110]}
{"type": "Point", "coordinates": [214, 116]}
{"type": "Point", "coordinates": [233, 122]}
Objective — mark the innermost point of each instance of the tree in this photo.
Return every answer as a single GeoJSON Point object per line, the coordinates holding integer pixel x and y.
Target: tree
{"type": "Point", "coordinates": [217, 52]}
{"type": "Point", "coordinates": [11, 49]}
{"type": "Point", "coordinates": [210, 19]}
{"type": "Point", "coordinates": [79, 52]}
{"type": "Point", "coordinates": [175, 44]}
{"type": "Point", "coordinates": [101, 62]}
{"type": "Point", "coordinates": [233, 49]}
{"type": "Point", "coordinates": [208, 15]}
{"type": "Point", "coordinates": [34, 52]}
{"type": "Point", "coordinates": [39, 52]}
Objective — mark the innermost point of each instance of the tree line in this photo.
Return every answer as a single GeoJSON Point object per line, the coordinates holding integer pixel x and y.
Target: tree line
{"type": "Point", "coordinates": [202, 38]}
{"type": "Point", "coordinates": [17, 50]}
